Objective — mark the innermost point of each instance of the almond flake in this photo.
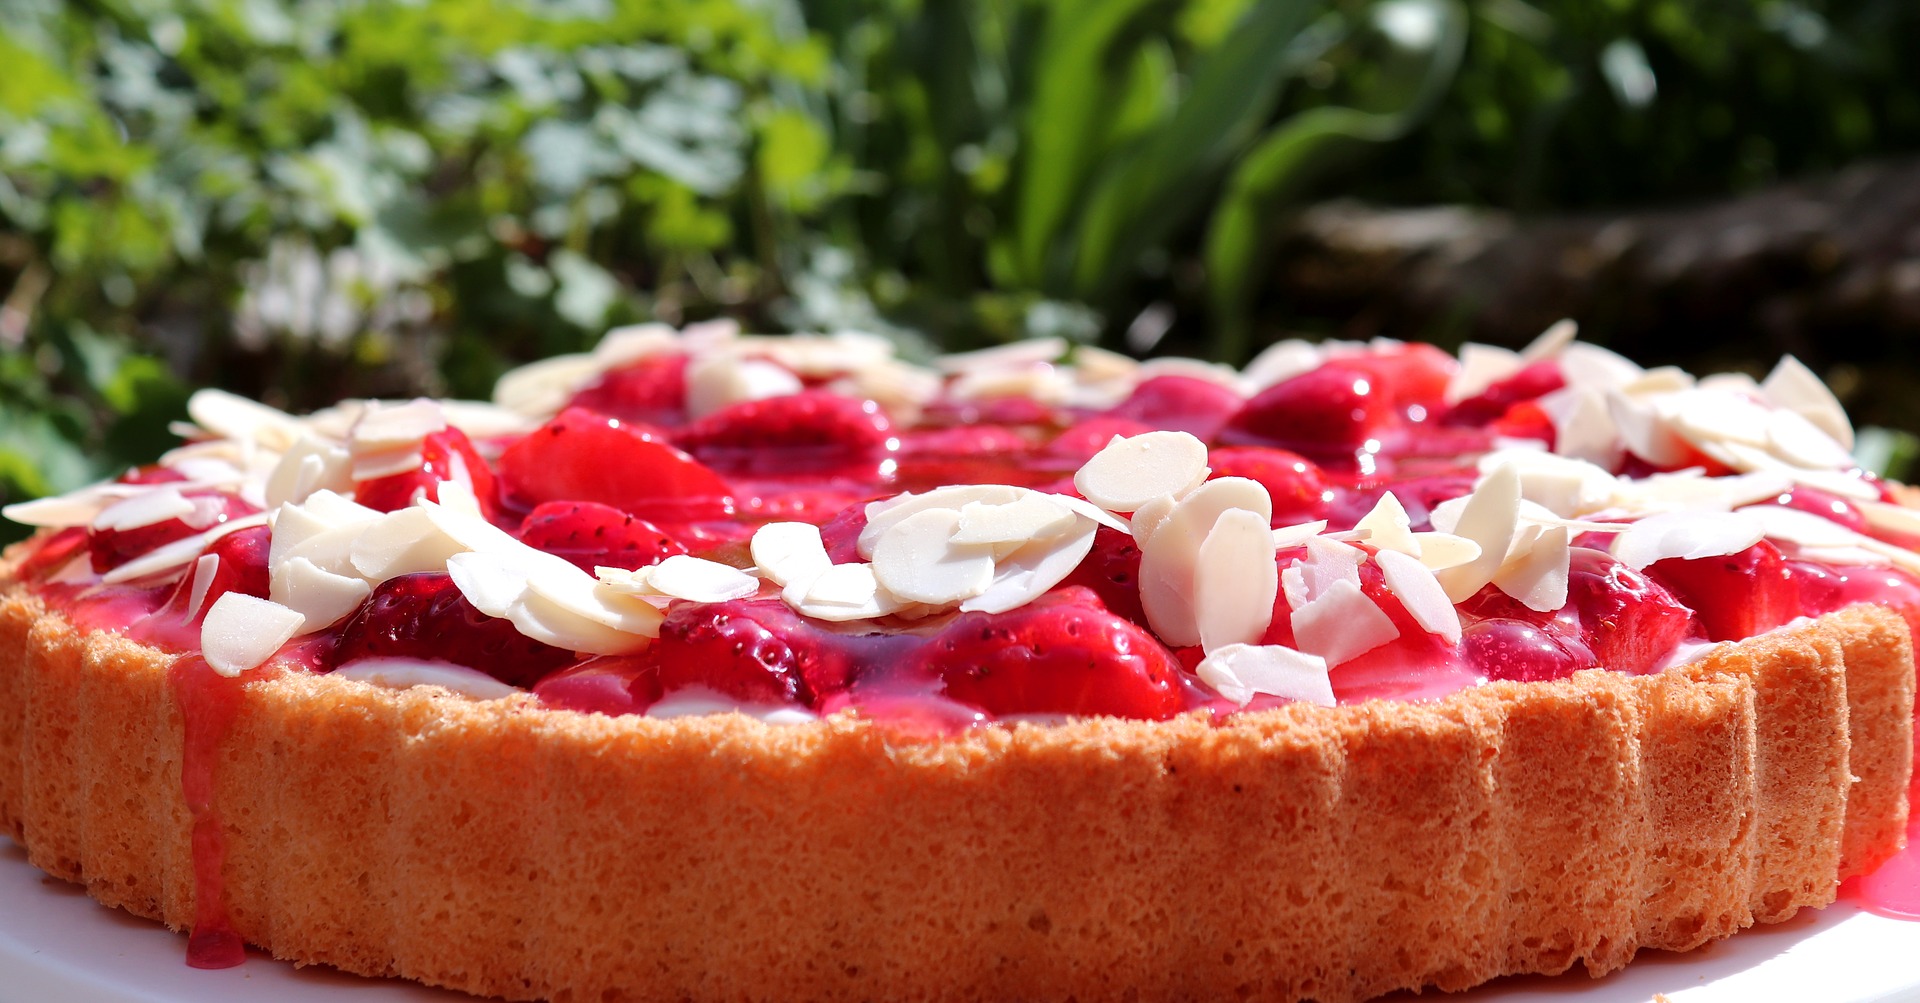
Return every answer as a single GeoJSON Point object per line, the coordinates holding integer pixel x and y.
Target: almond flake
{"type": "Point", "coordinates": [1081, 506]}
{"type": "Point", "coordinates": [179, 553]}
{"type": "Point", "coordinates": [1440, 551]}
{"type": "Point", "coordinates": [1388, 528]}
{"type": "Point", "coordinates": [204, 571]}
{"type": "Point", "coordinates": [1792, 385]}
{"type": "Point", "coordinates": [384, 426]}
{"type": "Point", "coordinates": [634, 342]}
{"type": "Point", "coordinates": [1027, 573]}
{"type": "Point", "coordinates": [368, 465]}
{"type": "Point", "coordinates": [1279, 362]}
{"type": "Point", "coordinates": [540, 389]}
{"type": "Point", "coordinates": [1716, 416]}
{"type": "Point", "coordinates": [720, 381]}
{"type": "Point", "coordinates": [241, 631]}
{"type": "Point", "coordinates": [1341, 624]}
{"type": "Point", "coordinates": [1294, 536]}
{"type": "Point", "coordinates": [1538, 576]}
{"type": "Point", "coordinates": [1481, 366]}
{"type": "Point", "coordinates": [1551, 341]}
{"type": "Point", "coordinates": [1582, 425]}
{"type": "Point", "coordinates": [848, 592]}
{"type": "Point", "coordinates": [1597, 370]}
{"type": "Point", "coordinates": [1687, 536]}
{"type": "Point", "coordinates": [1889, 518]}
{"type": "Point", "coordinates": [483, 420]}
{"type": "Point", "coordinates": [155, 505]}
{"type": "Point", "coordinates": [1036, 516]}
{"type": "Point", "coordinates": [310, 465]}
{"type": "Point", "coordinates": [402, 542]}
{"type": "Point", "coordinates": [918, 561]}
{"type": "Point", "coordinates": [406, 673]}
{"type": "Point", "coordinates": [1130, 472]}
{"type": "Point", "coordinates": [1488, 518]}
{"type": "Point", "coordinates": [1800, 442]}
{"type": "Point", "coordinates": [75, 508]}
{"type": "Point", "coordinates": [321, 596]}
{"type": "Point", "coordinates": [1150, 517]}
{"type": "Point", "coordinates": [230, 416]}
{"type": "Point", "coordinates": [550, 621]}
{"type": "Point", "coordinates": [1239, 671]}
{"type": "Point", "coordinates": [1414, 584]}
{"type": "Point", "coordinates": [1235, 580]}
{"type": "Point", "coordinates": [1018, 354]}
{"type": "Point", "coordinates": [883, 514]}
{"type": "Point", "coordinates": [698, 580]}
{"type": "Point", "coordinates": [1327, 562]}
{"type": "Point", "coordinates": [787, 552]}
{"type": "Point", "coordinates": [1168, 557]}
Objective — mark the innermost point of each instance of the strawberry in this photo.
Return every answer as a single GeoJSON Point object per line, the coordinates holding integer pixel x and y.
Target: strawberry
{"type": "Point", "coordinates": [1508, 648]}
{"type": "Point", "coordinates": [49, 555]}
{"type": "Point", "coordinates": [652, 390]}
{"type": "Point", "coordinates": [1526, 420]}
{"type": "Point", "coordinates": [1330, 415]}
{"type": "Point", "coordinates": [590, 534]}
{"type": "Point", "coordinates": [1530, 383]}
{"type": "Point", "coordinates": [584, 456]}
{"type": "Point", "coordinates": [1061, 654]}
{"type": "Point", "coordinates": [1182, 403]}
{"type": "Point", "coordinates": [1830, 507]}
{"type": "Point", "coordinates": [815, 432]}
{"type": "Point", "coordinates": [110, 548]}
{"type": "Point", "coordinates": [424, 616]}
{"type": "Point", "coordinates": [437, 453]}
{"type": "Point", "coordinates": [1410, 373]}
{"type": "Point", "coordinates": [609, 684]}
{"type": "Point", "coordinates": [1736, 596]}
{"type": "Point", "coordinates": [1417, 495]}
{"type": "Point", "coordinates": [242, 568]}
{"type": "Point", "coordinates": [756, 651]}
{"type": "Point", "coordinates": [1078, 443]}
{"type": "Point", "coordinates": [1628, 621]}
{"type": "Point", "coordinates": [1296, 485]}
{"type": "Point", "coordinates": [1111, 570]}
{"type": "Point", "coordinates": [841, 534]}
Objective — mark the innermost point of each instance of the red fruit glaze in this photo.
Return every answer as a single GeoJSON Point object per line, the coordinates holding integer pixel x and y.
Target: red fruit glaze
{"type": "Point", "coordinates": [1330, 415]}
{"type": "Point", "coordinates": [1414, 375]}
{"type": "Point", "coordinates": [111, 548]}
{"type": "Point", "coordinates": [424, 616]}
{"type": "Point", "coordinates": [209, 703]}
{"type": "Point", "coordinates": [1736, 596]}
{"type": "Point", "coordinates": [590, 535]}
{"type": "Point", "coordinates": [584, 456]}
{"type": "Point", "coordinates": [438, 453]}
{"type": "Point", "coordinates": [1061, 654]}
{"type": "Point", "coordinates": [1111, 571]}
{"type": "Point", "coordinates": [1182, 403]}
{"type": "Point", "coordinates": [1511, 649]}
{"type": "Point", "coordinates": [652, 391]}
{"type": "Point", "coordinates": [1628, 621]}
{"type": "Point", "coordinates": [813, 432]}
{"type": "Point", "coordinates": [1531, 383]}
{"type": "Point", "coordinates": [1296, 484]}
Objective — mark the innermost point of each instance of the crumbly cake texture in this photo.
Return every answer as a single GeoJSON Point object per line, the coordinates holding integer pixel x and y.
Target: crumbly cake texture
{"type": "Point", "coordinates": [1303, 852]}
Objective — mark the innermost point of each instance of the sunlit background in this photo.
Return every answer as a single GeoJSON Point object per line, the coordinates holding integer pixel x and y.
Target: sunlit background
{"type": "Point", "coordinates": [309, 199]}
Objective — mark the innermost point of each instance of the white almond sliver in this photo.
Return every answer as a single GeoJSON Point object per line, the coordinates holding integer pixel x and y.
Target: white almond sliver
{"type": "Point", "coordinates": [373, 465]}
{"type": "Point", "coordinates": [1027, 573]}
{"type": "Point", "coordinates": [722, 380]}
{"type": "Point", "coordinates": [1018, 354]}
{"type": "Point", "coordinates": [1481, 366]}
{"type": "Point", "coordinates": [1342, 624]}
{"type": "Point", "coordinates": [1686, 535]}
{"type": "Point", "coordinates": [231, 416]}
{"type": "Point", "coordinates": [1792, 385]}
{"type": "Point", "coordinates": [883, 514]}
{"type": "Point", "coordinates": [1037, 516]}
{"type": "Point", "coordinates": [1149, 518]}
{"type": "Point", "coordinates": [1388, 527]}
{"type": "Point", "coordinates": [1168, 558]}
{"type": "Point", "coordinates": [402, 542]}
{"type": "Point", "coordinates": [322, 597]}
{"type": "Point", "coordinates": [1419, 591]}
{"type": "Point", "coordinates": [1890, 518]}
{"type": "Point", "coordinates": [1239, 671]}
{"type": "Point", "coordinates": [1551, 341]}
{"type": "Point", "coordinates": [1538, 578]}
{"type": "Point", "coordinates": [406, 673]}
{"type": "Point", "coordinates": [491, 582]}
{"type": "Point", "coordinates": [1802, 443]}
{"type": "Point", "coordinates": [1440, 551]}
{"type": "Point", "coordinates": [1235, 581]}
{"type": "Point", "coordinates": [1081, 506]}
{"type": "Point", "coordinates": [310, 466]}
{"type": "Point", "coordinates": [848, 592]}
{"type": "Point", "coordinates": [389, 426]}
{"type": "Point", "coordinates": [550, 622]}
{"type": "Point", "coordinates": [75, 508]}
{"type": "Point", "coordinates": [1294, 536]}
{"type": "Point", "coordinates": [1488, 518]}
{"type": "Point", "coordinates": [918, 561]}
{"type": "Point", "coordinates": [204, 570]}
{"type": "Point", "coordinates": [699, 580]}
{"type": "Point", "coordinates": [787, 552]}
{"type": "Point", "coordinates": [179, 553]}
{"type": "Point", "coordinates": [154, 505]}
{"type": "Point", "coordinates": [540, 389]}
{"type": "Point", "coordinates": [1128, 473]}
{"type": "Point", "coordinates": [241, 631]}
{"type": "Point", "coordinates": [1644, 432]}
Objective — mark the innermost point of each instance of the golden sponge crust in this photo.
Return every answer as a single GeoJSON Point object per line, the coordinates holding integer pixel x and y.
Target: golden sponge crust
{"type": "Point", "coordinates": [1304, 852]}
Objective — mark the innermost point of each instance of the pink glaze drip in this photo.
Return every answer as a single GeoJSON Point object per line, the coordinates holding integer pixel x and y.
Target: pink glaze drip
{"type": "Point", "coordinates": [208, 705]}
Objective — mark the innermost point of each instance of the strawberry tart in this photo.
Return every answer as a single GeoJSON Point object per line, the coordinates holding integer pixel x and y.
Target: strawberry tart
{"type": "Point", "coordinates": [712, 666]}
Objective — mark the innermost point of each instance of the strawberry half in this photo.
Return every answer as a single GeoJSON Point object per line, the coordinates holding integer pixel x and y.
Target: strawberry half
{"type": "Point", "coordinates": [110, 548]}
{"type": "Point", "coordinates": [590, 535]}
{"type": "Point", "coordinates": [424, 616]}
{"type": "Point", "coordinates": [1061, 654]}
{"type": "Point", "coordinates": [584, 456]}
{"type": "Point", "coordinates": [652, 390]}
{"type": "Point", "coordinates": [1329, 415]}
{"type": "Point", "coordinates": [1181, 403]}
{"type": "Point", "coordinates": [437, 453]}
{"type": "Point", "coordinates": [1296, 484]}
{"type": "Point", "coordinates": [1736, 596]}
{"type": "Point", "coordinates": [813, 432]}
{"type": "Point", "coordinates": [1628, 621]}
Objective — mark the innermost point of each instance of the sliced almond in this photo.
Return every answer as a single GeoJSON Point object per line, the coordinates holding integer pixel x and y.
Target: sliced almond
{"type": "Point", "coordinates": [917, 560]}
{"type": "Point", "coordinates": [1551, 342]}
{"type": "Point", "coordinates": [406, 673]}
{"type": "Point", "coordinates": [1239, 671]}
{"type": "Point", "coordinates": [787, 552]}
{"type": "Point", "coordinates": [1800, 442]}
{"type": "Point", "coordinates": [1687, 536]}
{"type": "Point", "coordinates": [719, 381]}
{"type": "Point", "coordinates": [848, 592]}
{"type": "Point", "coordinates": [310, 465]}
{"type": "Point", "coordinates": [1481, 366]}
{"type": "Point", "coordinates": [179, 553]}
{"type": "Point", "coordinates": [1440, 551]}
{"type": "Point", "coordinates": [1149, 518]}
{"type": "Point", "coordinates": [322, 597]}
{"type": "Point", "coordinates": [1129, 472]}
{"type": "Point", "coordinates": [402, 542]}
{"type": "Point", "coordinates": [1235, 581]}
{"type": "Point", "coordinates": [540, 389]}
{"type": "Point", "coordinates": [1168, 557]}
{"type": "Point", "coordinates": [1538, 577]}
{"type": "Point", "coordinates": [1019, 354]}
{"type": "Point", "coordinates": [1341, 624]}
{"type": "Point", "coordinates": [697, 580]}
{"type": "Point", "coordinates": [1388, 528]}
{"type": "Point", "coordinates": [150, 507]}
{"type": "Point", "coordinates": [1488, 518]}
{"type": "Point", "coordinates": [75, 508]}
{"type": "Point", "coordinates": [1414, 584]}
{"type": "Point", "coordinates": [883, 514]}
{"type": "Point", "coordinates": [1792, 385]}
{"type": "Point", "coordinates": [387, 426]}
{"type": "Point", "coordinates": [204, 571]}
{"type": "Point", "coordinates": [1036, 516]}
{"type": "Point", "coordinates": [240, 632]}
{"type": "Point", "coordinates": [1027, 573]}
{"type": "Point", "coordinates": [230, 416]}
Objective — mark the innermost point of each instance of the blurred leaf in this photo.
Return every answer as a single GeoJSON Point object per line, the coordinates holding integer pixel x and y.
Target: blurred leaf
{"type": "Point", "coordinates": [1889, 452]}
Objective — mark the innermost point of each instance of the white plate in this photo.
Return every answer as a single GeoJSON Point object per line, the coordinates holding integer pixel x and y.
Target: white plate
{"type": "Point", "coordinates": [58, 946]}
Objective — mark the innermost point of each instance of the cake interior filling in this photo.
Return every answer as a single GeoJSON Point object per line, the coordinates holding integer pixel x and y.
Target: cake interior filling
{"type": "Point", "coordinates": [704, 522]}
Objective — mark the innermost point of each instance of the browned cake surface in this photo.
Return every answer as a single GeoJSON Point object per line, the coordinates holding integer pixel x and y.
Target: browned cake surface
{"type": "Point", "coordinates": [1303, 852]}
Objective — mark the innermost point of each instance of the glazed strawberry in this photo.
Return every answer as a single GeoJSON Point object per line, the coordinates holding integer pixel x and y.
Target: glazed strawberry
{"type": "Point", "coordinates": [1329, 415]}
{"type": "Point", "coordinates": [437, 464]}
{"type": "Point", "coordinates": [1830, 507]}
{"type": "Point", "coordinates": [1111, 570]}
{"type": "Point", "coordinates": [584, 456]}
{"type": "Point", "coordinates": [1530, 383]}
{"type": "Point", "coordinates": [1296, 484]}
{"type": "Point", "coordinates": [1736, 596]}
{"type": "Point", "coordinates": [1180, 403]}
{"type": "Point", "coordinates": [815, 431]}
{"type": "Point", "coordinates": [652, 390]}
{"type": "Point", "coordinates": [590, 535]}
{"type": "Point", "coordinates": [1629, 622]}
{"type": "Point", "coordinates": [1061, 654]}
{"type": "Point", "coordinates": [51, 553]}
{"type": "Point", "coordinates": [841, 534]}
{"type": "Point", "coordinates": [1078, 442]}
{"type": "Point", "coordinates": [1417, 495]}
{"type": "Point", "coordinates": [110, 548]}
{"type": "Point", "coordinates": [152, 474]}
{"type": "Point", "coordinates": [755, 651]}
{"type": "Point", "coordinates": [241, 567]}
{"type": "Point", "coordinates": [1412, 374]}
{"type": "Point", "coordinates": [424, 616]}
{"type": "Point", "coordinates": [1517, 650]}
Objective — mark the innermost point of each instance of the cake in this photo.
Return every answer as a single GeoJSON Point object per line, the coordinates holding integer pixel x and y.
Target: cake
{"type": "Point", "coordinates": [710, 666]}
